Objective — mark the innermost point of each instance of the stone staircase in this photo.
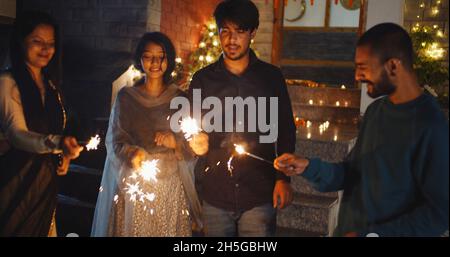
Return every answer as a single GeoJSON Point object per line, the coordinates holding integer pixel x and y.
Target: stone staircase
{"type": "Point", "coordinates": [313, 213]}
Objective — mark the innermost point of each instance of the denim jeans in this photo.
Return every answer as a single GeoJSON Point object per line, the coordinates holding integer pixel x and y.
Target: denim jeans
{"type": "Point", "coordinates": [257, 222]}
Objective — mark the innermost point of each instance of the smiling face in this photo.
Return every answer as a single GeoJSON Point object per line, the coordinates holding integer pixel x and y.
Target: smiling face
{"type": "Point", "coordinates": [40, 46]}
{"type": "Point", "coordinates": [154, 61]}
{"type": "Point", "coordinates": [235, 41]}
{"type": "Point", "coordinates": [371, 71]}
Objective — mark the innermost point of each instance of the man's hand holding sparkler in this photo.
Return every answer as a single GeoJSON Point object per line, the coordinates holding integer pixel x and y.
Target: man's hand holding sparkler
{"type": "Point", "coordinates": [290, 164]}
{"type": "Point", "coordinates": [199, 143]}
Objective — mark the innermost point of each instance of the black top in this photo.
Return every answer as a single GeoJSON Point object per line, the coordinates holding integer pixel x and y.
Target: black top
{"type": "Point", "coordinates": [252, 181]}
{"type": "Point", "coordinates": [28, 181]}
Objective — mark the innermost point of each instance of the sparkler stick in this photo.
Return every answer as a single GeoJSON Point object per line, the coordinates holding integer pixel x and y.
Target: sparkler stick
{"type": "Point", "coordinates": [240, 150]}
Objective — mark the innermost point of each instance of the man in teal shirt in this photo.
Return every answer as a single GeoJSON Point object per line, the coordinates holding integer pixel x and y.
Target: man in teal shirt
{"type": "Point", "coordinates": [395, 180]}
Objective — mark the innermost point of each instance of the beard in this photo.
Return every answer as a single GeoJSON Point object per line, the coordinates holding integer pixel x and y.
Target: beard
{"type": "Point", "coordinates": [382, 87]}
{"type": "Point", "coordinates": [239, 56]}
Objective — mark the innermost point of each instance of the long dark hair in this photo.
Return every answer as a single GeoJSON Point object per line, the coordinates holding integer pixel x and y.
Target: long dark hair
{"type": "Point", "coordinates": [167, 46]}
{"type": "Point", "coordinates": [25, 24]}
{"type": "Point", "coordinates": [42, 119]}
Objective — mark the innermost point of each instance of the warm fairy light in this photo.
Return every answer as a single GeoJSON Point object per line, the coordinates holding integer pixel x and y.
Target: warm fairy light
{"type": "Point", "coordinates": [209, 58]}
{"type": "Point", "coordinates": [434, 51]}
{"type": "Point", "coordinates": [173, 74]}
{"type": "Point", "coordinates": [93, 143]}
{"type": "Point", "coordinates": [212, 26]}
{"type": "Point", "coordinates": [308, 124]}
{"type": "Point", "coordinates": [308, 136]}
{"type": "Point", "coordinates": [335, 138]}
{"type": "Point", "coordinates": [178, 60]}
{"type": "Point", "coordinates": [343, 87]}
{"type": "Point", "coordinates": [190, 128]}
{"type": "Point", "coordinates": [201, 58]}
{"type": "Point", "coordinates": [311, 102]}
{"type": "Point", "coordinates": [202, 44]}
{"type": "Point", "coordinates": [321, 102]}
{"type": "Point", "coordinates": [435, 26]}
{"type": "Point", "coordinates": [338, 103]}
{"type": "Point", "coordinates": [435, 11]}
{"type": "Point", "coordinates": [422, 5]}
{"type": "Point", "coordinates": [439, 33]}
{"type": "Point", "coordinates": [211, 34]}
{"type": "Point", "coordinates": [215, 43]}
{"type": "Point", "coordinates": [346, 104]}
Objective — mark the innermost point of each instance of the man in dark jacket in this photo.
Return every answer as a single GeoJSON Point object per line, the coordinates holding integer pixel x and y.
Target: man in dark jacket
{"type": "Point", "coordinates": [240, 196]}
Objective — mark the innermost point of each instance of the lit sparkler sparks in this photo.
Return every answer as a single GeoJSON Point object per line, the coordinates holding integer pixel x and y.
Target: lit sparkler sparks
{"type": "Point", "coordinates": [190, 128]}
{"type": "Point", "coordinates": [240, 150]}
{"type": "Point", "coordinates": [93, 143]}
{"type": "Point", "coordinates": [230, 167]}
{"type": "Point", "coordinates": [149, 170]}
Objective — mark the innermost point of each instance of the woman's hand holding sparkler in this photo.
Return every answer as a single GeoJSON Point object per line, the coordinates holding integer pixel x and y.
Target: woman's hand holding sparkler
{"type": "Point", "coordinates": [71, 148]}
{"type": "Point", "coordinates": [166, 139]}
{"type": "Point", "coordinates": [136, 158]}
{"type": "Point", "coordinates": [290, 164]}
{"type": "Point", "coordinates": [199, 143]}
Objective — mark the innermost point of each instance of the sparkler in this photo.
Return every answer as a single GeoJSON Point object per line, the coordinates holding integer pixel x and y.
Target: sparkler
{"type": "Point", "coordinates": [190, 128]}
{"type": "Point", "coordinates": [146, 172]}
{"type": "Point", "coordinates": [149, 170]}
{"type": "Point", "coordinates": [92, 144]}
{"type": "Point", "coordinates": [240, 150]}
{"type": "Point", "coordinates": [230, 167]}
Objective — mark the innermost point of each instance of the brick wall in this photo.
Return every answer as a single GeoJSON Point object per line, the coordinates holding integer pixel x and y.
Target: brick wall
{"type": "Point", "coordinates": [182, 21]}
{"type": "Point", "coordinates": [99, 37]}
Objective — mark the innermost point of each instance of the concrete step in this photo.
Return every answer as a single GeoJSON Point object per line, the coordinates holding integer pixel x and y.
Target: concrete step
{"type": "Point", "coordinates": [334, 114]}
{"type": "Point", "coordinates": [81, 183]}
{"type": "Point", "coordinates": [322, 95]}
{"type": "Point", "coordinates": [334, 134]}
{"type": "Point", "coordinates": [308, 213]}
{"type": "Point", "coordinates": [330, 151]}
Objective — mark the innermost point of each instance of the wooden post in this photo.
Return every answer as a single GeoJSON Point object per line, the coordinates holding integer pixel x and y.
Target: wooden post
{"type": "Point", "coordinates": [277, 37]}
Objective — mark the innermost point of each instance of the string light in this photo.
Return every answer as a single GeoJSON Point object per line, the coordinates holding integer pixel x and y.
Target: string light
{"type": "Point", "coordinates": [434, 51]}
{"type": "Point", "coordinates": [435, 11]}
